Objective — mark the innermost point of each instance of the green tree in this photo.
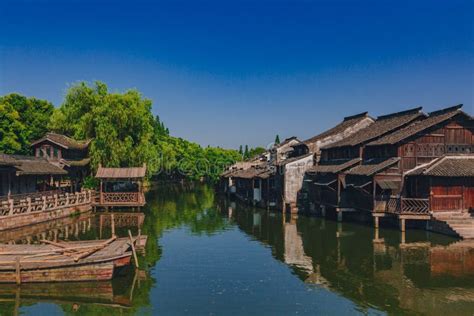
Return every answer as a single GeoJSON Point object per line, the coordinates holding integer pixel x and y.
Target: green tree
{"type": "Point", "coordinates": [125, 133]}
{"type": "Point", "coordinates": [277, 139]}
{"type": "Point", "coordinates": [22, 120]}
{"type": "Point", "coordinates": [257, 151]}
{"type": "Point", "coordinates": [120, 125]}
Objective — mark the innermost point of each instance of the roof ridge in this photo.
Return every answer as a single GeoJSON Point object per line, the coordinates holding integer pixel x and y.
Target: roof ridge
{"type": "Point", "coordinates": [351, 117]}
{"type": "Point", "coordinates": [445, 110]}
{"type": "Point", "coordinates": [405, 112]}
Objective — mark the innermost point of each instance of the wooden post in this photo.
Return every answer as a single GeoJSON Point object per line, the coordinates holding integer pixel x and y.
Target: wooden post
{"type": "Point", "coordinates": [44, 203]}
{"type": "Point", "coordinates": [10, 202]}
{"type": "Point", "coordinates": [112, 223]}
{"type": "Point", "coordinates": [100, 192]}
{"type": "Point", "coordinates": [28, 199]}
{"type": "Point", "coordinates": [133, 249]}
{"type": "Point", "coordinates": [402, 224]}
{"type": "Point", "coordinates": [376, 222]}
{"type": "Point", "coordinates": [339, 215]}
{"type": "Point", "coordinates": [18, 270]}
{"type": "Point", "coordinates": [55, 200]}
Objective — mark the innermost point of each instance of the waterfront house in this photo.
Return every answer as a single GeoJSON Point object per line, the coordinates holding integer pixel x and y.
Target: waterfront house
{"type": "Point", "coordinates": [291, 169]}
{"type": "Point", "coordinates": [227, 179]}
{"type": "Point", "coordinates": [370, 185]}
{"type": "Point", "coordinates": [347, 127]}
{"type": "Point", "coordinates": [443, 188]}
{"type": "Point", "coordinates": [339, 156]}
{"type": "Point", "coordinates": [66, 153]}
{"type": "Point", "coordinates": [301, 180]}
{"type": "Point", "coordinates": [26, 174]}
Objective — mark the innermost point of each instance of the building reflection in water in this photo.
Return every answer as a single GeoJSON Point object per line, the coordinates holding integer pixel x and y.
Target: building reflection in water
{"type": "Point", "coordinates": [416, 273]}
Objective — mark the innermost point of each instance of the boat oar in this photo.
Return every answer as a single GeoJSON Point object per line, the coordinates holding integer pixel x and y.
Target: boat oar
{"type": "Point", "coordinates": [133, 248]}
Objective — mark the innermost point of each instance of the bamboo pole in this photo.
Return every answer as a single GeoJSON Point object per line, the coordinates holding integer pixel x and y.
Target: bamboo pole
{"type": "Point", "coordinates": [133, 248]}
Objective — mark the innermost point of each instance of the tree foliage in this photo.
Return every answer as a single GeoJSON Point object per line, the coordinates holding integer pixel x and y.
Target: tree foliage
{"type": "Point", "coordinates": [120, 125]}
{"type": "Point", "coordinates": [124, 132]}
{"type": "Point", "coordinates": [22, 120]}
{"type": "Point", "coordinates": [277, 139]}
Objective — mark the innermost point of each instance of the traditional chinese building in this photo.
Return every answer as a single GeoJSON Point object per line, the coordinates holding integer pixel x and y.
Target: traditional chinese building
{"type": "Point", "coordinates": [444, 189]}
{"type": "Point", "coordinates": [377, 184]}
{"type": "Point", "coordinates": [67, 153]}
{"type": "Point", "coordinates": [328, 176]}
{"type": "Point", "coordinates": [26, 174]}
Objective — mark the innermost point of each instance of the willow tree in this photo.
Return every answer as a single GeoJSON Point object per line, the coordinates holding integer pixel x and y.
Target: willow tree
{"type": "Point", "coordinates": [120, 125]}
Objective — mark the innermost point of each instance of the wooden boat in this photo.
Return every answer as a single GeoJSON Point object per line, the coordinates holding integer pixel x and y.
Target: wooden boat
{"type": "Point", "coordinates": [93, 260]}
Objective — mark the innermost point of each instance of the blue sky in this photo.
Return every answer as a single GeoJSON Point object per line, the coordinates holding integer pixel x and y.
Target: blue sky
{"type": "Point", "coordinates": [238, 72]}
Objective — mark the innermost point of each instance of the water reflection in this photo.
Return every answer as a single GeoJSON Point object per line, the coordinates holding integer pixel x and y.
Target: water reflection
{"type": "Point", "coordinates": [429, 273]}
{"type": "Point", "coordinates": [377, 271]}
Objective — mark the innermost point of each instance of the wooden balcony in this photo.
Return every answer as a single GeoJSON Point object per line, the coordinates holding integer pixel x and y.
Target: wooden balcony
{"type": "Point", "coordinates": [402, 206]}
{"type": "Point", "coordinates": [122, 199]}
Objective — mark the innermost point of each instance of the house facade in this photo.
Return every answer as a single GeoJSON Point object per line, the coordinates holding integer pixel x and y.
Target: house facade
{"type": "Point", "coordinates": [327, 180]}
{"type": "Point", "coordinates": [27, 174]}
{"type": "Point", "coordinates": [66, 153]}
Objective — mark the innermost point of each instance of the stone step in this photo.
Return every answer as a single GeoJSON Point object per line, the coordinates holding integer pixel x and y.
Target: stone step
{"type": "Point", "coordinates": [460, 222]}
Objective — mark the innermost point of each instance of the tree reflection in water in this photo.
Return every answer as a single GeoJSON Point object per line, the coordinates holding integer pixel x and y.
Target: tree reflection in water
{"type": "Point", "coordinates": [428, 273]}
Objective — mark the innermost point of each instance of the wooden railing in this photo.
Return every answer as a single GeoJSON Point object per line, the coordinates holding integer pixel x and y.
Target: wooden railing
{"type": "Point", "coordinates": [45, 202]}
{"type": "Point", "coordinates": [402, 205]}
{"type": "Point", "coordinates": [122, 198]}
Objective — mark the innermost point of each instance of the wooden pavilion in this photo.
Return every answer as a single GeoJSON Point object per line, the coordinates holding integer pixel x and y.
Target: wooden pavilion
{"type": "Point", "coordinates": [122, 187]}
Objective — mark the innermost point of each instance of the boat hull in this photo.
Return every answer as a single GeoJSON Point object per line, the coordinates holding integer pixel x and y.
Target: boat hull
{"type": "Point", "coordinates": [88, 272]}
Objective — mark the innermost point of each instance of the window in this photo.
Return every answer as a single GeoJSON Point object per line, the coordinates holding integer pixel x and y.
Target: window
{"type": "Point", "coordinates": [55, 152]}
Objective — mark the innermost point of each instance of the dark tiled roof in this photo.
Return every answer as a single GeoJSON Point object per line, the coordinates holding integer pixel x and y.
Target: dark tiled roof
{"type": "Point", "coordinates": [252, 172]}
{"type": "Point", "coordinates": [29, 165]}
{"type": "Point", "coordinates": [63, 141]}
{"type": "Point", "coordinates": [383, 125]}
{"type": "Point", "coordinates": [339, 128]}
{"type": "Point", "coordinates": [372, 166]}
{"type": "Point", "coordinates": [433, 119]}
{"type": "Point", "coordinates": [6, 160]}
{"type": "Point", "coordinates": [447, 166]}
{"type": "Point", "coordinates": [287, 140]}
{"type": "Point", "coordinates": [121, 173]}
{"type": "Point", "coordinates": [335, 166]}
{"type": "Point", "coordinates": [243, 165]}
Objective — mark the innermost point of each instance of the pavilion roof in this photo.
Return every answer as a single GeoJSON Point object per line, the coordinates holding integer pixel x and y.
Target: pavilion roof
{"type": "Point", "coordinates": [121, 173]}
